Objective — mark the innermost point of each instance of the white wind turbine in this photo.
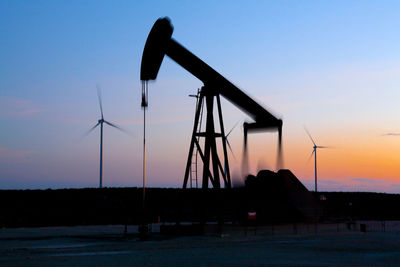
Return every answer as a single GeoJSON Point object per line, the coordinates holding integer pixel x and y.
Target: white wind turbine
{"type": "Point", "coordinates": [315, 157]}
{"type": "Point", "coordinates": [229, 145]}
{"type": "Point", "coordinates": [100, 122]}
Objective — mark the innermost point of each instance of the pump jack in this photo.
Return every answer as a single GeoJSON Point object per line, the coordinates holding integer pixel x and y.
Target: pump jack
{"type": "Point", "coordinates": [159, 43]}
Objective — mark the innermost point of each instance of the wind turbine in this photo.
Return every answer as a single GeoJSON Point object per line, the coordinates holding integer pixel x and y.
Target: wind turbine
{"type": "Point", "coordinates": [315, 157]}
{"type": "Point", "coordinates": [229, 145]}
{"type": "Point", "coordinates": [100, 122]}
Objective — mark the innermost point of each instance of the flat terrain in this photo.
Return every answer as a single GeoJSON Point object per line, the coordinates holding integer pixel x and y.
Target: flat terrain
{"type": "Point", "coordinates": [116, 206]}
{"type": "Point", "coordinates": [327, 245]}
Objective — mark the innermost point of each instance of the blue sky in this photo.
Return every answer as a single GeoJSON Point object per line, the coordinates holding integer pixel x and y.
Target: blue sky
{"type": "Point", "coordinates": [330, 65]}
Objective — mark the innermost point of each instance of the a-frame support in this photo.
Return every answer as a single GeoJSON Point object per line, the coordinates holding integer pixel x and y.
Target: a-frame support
{"type": "Point", "coordinates": [212, 167]}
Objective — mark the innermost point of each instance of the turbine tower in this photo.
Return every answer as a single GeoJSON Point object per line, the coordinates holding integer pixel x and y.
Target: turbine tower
{"type": "Point", "coordinates": [315, 158]}
{"type": "Point", "coordinates": [100, 122]}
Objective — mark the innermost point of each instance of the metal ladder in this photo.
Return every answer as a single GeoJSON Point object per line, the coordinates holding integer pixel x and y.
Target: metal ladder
{"type": "Point", "coordinates": [193, 167]}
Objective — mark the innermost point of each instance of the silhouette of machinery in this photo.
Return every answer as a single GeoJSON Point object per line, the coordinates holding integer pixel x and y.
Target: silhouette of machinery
{"type": "Point", "coordinates": [160, 43]}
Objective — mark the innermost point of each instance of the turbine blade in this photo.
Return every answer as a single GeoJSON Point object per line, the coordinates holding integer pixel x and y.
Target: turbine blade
{"type": "Point", "coordinates": [230, 148]}
{"type": "Point", "coordinates": [232, 129]}
{"type": "Point", "coordinates": [91, 129]}
{"type": "Point", "coordinates": [312, 153]}
{"type": "Point", "coordinates": [118, 127]}
{"type": "Point", "coordinates": [100, 100]}
{"type": "Point", "coordinates": [324, 147]}
{"type": "Point", "coordinates": [309, 135]}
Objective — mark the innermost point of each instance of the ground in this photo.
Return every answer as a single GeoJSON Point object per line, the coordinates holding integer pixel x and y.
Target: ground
{"type": "Point", "coordinates": [322, 245]}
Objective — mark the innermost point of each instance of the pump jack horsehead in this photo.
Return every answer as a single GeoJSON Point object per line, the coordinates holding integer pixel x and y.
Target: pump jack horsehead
{"type": "Point", "coordinates": [160, 43]}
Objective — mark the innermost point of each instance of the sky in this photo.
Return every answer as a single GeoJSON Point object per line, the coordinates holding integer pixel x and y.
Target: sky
{"type": "Point", "coordinates": [330, 66]}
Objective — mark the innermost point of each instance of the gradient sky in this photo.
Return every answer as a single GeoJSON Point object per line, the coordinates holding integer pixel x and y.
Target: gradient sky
{"type": "Point", "coordinates": [333, 66]}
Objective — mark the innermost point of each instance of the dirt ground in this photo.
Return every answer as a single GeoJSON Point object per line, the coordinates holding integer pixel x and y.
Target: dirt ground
{"type": "Point", "coordinates": [322, 245]}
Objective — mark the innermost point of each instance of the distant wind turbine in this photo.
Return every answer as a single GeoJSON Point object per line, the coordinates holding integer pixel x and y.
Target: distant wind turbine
{"type": "Point", "coordinates": [229, 145]}
{"type": "Point", "coordinates": [315, 157]}
{"type": "Point", "coordinates": [100, 122]}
